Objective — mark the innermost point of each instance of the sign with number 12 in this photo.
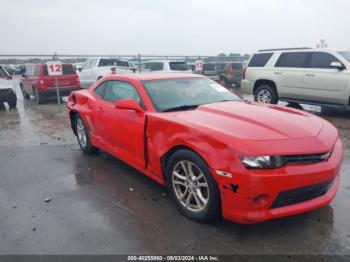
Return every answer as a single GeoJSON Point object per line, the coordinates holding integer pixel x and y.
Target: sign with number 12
{"type": "Point", "coordinates": [54, 68]}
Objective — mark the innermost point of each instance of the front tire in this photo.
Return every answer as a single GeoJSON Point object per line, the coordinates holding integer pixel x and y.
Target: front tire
{"type": "Point", "coordinates": [266, 94]}
{"type": "Point", "coordinates": [83, 136]}
{"type": "Point", "coordinates": [192, 186]}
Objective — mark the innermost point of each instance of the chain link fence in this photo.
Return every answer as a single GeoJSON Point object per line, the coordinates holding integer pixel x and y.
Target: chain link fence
{"type": "Point", "coordinates": [24, 79]}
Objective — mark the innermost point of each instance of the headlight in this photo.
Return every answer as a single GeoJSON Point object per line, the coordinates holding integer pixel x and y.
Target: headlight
{"type": "Point", "coordinates": [262, 162]}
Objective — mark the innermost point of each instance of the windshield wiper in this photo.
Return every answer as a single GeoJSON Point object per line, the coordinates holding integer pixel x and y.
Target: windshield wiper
{"type": "Point", "coordinates": [180, 108]}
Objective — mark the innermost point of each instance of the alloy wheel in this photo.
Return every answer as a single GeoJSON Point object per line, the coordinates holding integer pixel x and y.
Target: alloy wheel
{"type": "Point", "coordinates": [190, 186]}
{"type": "Point", "coordinates": [264, 96]}
{"type": "Point", "coordinates": [81, 132]}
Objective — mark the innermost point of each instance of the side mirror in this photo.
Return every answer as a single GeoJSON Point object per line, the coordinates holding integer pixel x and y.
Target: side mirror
{"type": "Point", "coordinates": [337, 65]}
{"type": "Point", "coordinates": [129, 104]}
{"type": "Point", "coordinates": [79, 69]}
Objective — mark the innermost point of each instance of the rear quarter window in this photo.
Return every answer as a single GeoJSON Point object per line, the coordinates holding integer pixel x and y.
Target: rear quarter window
{"type": "Point", "coordinates": [259, 60]}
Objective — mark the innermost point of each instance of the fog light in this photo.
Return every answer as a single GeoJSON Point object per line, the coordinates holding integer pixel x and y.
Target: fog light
{"type": "Point", "coordinates": [261, 200]}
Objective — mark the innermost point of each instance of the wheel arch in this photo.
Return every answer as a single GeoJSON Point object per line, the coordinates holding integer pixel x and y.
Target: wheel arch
{"type": "Point", "coordinates": [167, 155]}
{"type": "Point", "coordinates": [72, 117]}
{"type": "Point", "coordinates": [261, 82]}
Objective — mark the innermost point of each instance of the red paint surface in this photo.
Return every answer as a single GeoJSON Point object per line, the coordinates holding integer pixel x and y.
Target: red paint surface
{"type": "Point", "coordinates": [220, 133]}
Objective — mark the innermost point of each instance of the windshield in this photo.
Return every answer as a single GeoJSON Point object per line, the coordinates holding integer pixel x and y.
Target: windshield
{"type": "Point", "coordinates": [177, 93]}
{"type": "Point", "coordinates": [346, 55]}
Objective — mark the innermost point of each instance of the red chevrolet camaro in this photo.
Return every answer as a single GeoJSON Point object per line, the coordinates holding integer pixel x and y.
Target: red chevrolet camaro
{"type": "Point", "coordinates": [217, 154]}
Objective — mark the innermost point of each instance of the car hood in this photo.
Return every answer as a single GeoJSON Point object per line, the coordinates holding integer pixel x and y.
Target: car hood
{"type": "Point", "coordinates": [252, 121]}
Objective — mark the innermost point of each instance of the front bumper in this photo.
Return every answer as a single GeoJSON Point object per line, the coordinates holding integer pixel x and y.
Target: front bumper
{"type": "Point", "coordinates": [239, 206]}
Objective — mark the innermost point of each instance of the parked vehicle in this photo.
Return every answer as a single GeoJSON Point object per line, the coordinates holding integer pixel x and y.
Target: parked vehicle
{"type": "Point", "coordinates": [4, 74]}
{"type": "Point", "coordinates": [12, 70]}
{"type": "Point", "coordinates": [37, 82]}
{"type": "Point", "coordinates": [299, 75]}
{"type": "Point", "coordinates": [7, 92]}
{"type": "Point", "coordinates": [230, 73]}
{"type": "Point", "coordinates": [210, 70]}
{"type": "Point", "coordinates": [215, 152]}
{"type": "Point", "coordinates": [165, 66]}
{"type": "Point", "coordinates": [97, 67]}
{"type": "Point", "coordinates": [78, 66]}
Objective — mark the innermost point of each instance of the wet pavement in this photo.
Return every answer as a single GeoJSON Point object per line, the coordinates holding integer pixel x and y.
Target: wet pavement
{"type": "Point", "coordinates": [99, 205]}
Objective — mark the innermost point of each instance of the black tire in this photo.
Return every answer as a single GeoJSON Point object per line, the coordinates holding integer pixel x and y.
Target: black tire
{"type": "Point", "coordinates": [211, 210]}
{"type": "Point", "coordinates": [12, 102]}
{"type": "Point", "coordinates": [24, 93]}
{"type": "Point", "coordinates": [269, 91]}
{"type": "Point", "coordinates": [86, 147]}
{"type": "Point", "coordinates": [38, 97]}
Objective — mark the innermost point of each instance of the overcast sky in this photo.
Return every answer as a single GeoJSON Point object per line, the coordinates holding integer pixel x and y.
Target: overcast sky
{"type": "Point", "coordinates": [172, 27]}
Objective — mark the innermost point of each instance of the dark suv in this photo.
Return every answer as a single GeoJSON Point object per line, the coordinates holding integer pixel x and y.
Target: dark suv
{"type": "Point", "coordinates": [36, 81]}
{"type": "Point", "coordinates": [7, 93]}
{"type": "Point", "coordinates": [230, 73]}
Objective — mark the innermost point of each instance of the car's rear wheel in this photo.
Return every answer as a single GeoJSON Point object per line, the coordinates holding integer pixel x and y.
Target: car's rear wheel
{"type": "Point", "coordinates": [83, 136]}
{"type": "Point", "coordinates": [192, 186]}
{"type": "Point", "coordinates": [266, 94]}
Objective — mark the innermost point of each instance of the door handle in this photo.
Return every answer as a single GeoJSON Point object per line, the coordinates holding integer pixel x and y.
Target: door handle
{"type": "Point", "coordinates": [277, 73]}
{"type": "Point", "coordinates": [100, 109]}
{"type": "Point", "coordinates": [310, 75]}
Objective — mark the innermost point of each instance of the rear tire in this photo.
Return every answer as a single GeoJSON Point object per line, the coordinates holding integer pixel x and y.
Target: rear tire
{"type": "Point", "coordinates": [194, 191]}
{"type": "Point", "coordinates": [83, 136]}
{"type": "Point", "coordinates": [266, 94]}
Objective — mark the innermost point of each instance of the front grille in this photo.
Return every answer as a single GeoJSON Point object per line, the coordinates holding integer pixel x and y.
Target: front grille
{"type": "Point", "coordinates": [306, 159]}
{"type": "Point", "coordinates": [301, 194]}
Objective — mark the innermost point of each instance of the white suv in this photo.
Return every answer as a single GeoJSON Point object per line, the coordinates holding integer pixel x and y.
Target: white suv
{"type": "Point", "coordinates": [299, 75]}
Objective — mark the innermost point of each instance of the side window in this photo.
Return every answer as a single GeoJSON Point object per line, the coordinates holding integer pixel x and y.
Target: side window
{"type": "Point", "coordinates": [156, 66]}
{"type": "Point", "coordinates": [259, 60]}
{"type": "Point", "coordinates": [117, 90]}
{"type": "Point", "coordinates": [292, 59]}
{"type": "Point", "coordinates": [322, 60]}
{"type": "Point", "coordinates": [100, 90]}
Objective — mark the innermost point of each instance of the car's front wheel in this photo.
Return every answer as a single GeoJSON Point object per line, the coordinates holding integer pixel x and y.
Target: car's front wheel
{"type": "Point", "coordinates": [83, 136]}
{"type": "Point", "coordinates": [192, 186]}
{"type": "Point", "coordinates": [266, 94]}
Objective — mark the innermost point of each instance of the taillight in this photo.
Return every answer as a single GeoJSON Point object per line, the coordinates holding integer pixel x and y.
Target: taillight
{"type": "Point", "coordinates": [243, 72]}
{"type": "Point", "coordinates": [229, 69]}
{"type": "Point", "coordinates": [113, 70]}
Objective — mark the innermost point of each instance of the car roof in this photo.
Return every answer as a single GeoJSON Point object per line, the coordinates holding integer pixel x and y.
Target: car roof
{"type": "Point", "coordinates": [153, 76]}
